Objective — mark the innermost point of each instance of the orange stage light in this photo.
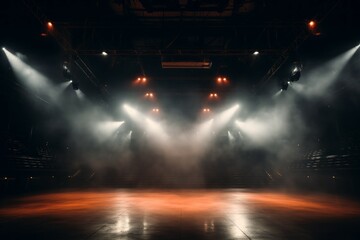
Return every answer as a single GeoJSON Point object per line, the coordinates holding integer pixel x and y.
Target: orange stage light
{"type": "Point", "coordinates": [50, 25]}
{"type": "Point", "coordinates": [312, 24]}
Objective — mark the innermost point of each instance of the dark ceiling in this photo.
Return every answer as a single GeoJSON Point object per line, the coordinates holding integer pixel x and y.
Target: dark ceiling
{"type": "Point", "coordinates": [138, 35]}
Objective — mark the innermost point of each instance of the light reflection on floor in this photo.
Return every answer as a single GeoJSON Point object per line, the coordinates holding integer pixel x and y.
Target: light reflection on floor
{"type": "Point", "coordinates": [226, 214]}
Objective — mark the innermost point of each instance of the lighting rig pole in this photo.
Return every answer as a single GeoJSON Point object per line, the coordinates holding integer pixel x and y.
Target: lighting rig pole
{"type": "Point", "coordinates": [62, 38]}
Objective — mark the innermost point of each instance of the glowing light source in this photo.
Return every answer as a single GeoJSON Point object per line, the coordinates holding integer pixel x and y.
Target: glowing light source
{"type": "Point", "coordinates": [256, 53]}
{"type": "Point", "coordinates": [104, 53]}
{"type": "Point", "coordinates": [155, 110]}
{"type": "Point", "coordinates": [75, 85]}
{"type": "Point", "coordinates": [311, 24]}
{"type": "Point", "coordinates": [3, 48]}
{"type": "Point", "coordinates": [50, 25]}
{"type": "Point", "coordinates": [213, 95]}
{"type": "Point", "coordinates": [222, 80]}
{"type": "Point", "coordinates": [284, 86]}
{"type": "Point", "coordinates": [206, 110]}
{"type": "Point", "coordinates": [140, 81]}
{"type": "Point", "coordinates": [296, 72]}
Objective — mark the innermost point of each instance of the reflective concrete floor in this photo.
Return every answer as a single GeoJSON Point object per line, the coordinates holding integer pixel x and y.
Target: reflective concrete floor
{"type": "Point", "coordinates": [180, 214]}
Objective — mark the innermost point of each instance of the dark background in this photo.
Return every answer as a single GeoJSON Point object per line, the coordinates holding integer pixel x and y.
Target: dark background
{"type": "Point", "coordinates": [39, 149]}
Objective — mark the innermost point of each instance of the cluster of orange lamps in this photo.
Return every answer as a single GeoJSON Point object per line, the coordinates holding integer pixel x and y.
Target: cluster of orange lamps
{"type": "Point", "coordinates": [141, 80]}
{"type": "Point", "coordinates": [213, 95]}
{"type": "Point", "coordinates": [149, 95]}
{"type": "Point", "coordinates": [222, 80]}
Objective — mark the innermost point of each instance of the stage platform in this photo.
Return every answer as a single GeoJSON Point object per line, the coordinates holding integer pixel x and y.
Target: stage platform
{"type": "Point", "coordinates": [178, 214]}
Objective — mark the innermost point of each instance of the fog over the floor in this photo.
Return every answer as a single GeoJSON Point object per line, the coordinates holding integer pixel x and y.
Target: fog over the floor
{"type": "Point", "coordinates": [131, 139]}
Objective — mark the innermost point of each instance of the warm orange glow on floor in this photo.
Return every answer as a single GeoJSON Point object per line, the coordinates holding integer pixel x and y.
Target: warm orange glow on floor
{"type": "Point", "coordinates": [306, 205]}
{"type": "Point", "coordinates": [190, 203]}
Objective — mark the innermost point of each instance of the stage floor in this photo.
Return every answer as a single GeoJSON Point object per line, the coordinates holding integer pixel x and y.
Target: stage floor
{"type": "Point", "coordinates": [179, 214]}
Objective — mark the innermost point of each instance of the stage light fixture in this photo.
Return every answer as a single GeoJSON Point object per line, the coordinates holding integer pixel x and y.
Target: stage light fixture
{"type": "Point", "coordinates": [66, 72]}
{"type": "Point", "coordinates": [222, 80]}
{"type": "Point", "coordinates": [296, 72]}
{"type": "Point", "coordinates": [50, 25]}
{"type": "Point", "coordinates": [3, 48]}
{"type": "Point", "coordinates": [312, 24]}
{"type": "Point", "coordinates": [104, 53]}
{"type": "Point", "coordinates": [256, 53]}
{"type": "Point", "coordinates": [149, 95]}
{"type": "Point", "coordinates": [140, 81]}
{"type": "Point", "coordinates": [213, 95]}
{"type": "Point", "coordinates": [284, 86]}
{"type": "Point", "coordinates": [75, 85]}
{"type": "Point", "coordinates": [313, 27]}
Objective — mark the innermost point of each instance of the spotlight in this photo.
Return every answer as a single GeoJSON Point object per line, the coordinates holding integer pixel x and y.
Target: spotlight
{"type": "Point", "coordinates": [284, 86]}
{"type": "Point", "coordinates": [213, 95]}
{"type": "Point", "coordinates": [75, 85]}
{"type": "Point", "coordinates": [296, 72]}
{"type": "Point", "coordinates": [312, 24]}
{"type": "Point", "coordinates": [295, 76]}
{"type": "Point", "coordinates": [140, 81]}
{"type": "Point", "coordinates": [104, 53]}
{"type": "Point", "coordinates": [222, 80]}
{"type": "Point", "coordinates": [155, 110]}
{"type": "Point", "coordinates": [66, 73]}
{"type": "Point", "coordinates": [50, 25]}
{"type": "Point", "coordinates": [256, 53]}
{"type": "Point", "coordinates": [312, 27]}
{"type": "Point", "coordinates": [206, 110]}
{"type": "Point", "coordinates": [3, 48]}
{"type": "Point", "coordinates": [149, 95]}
